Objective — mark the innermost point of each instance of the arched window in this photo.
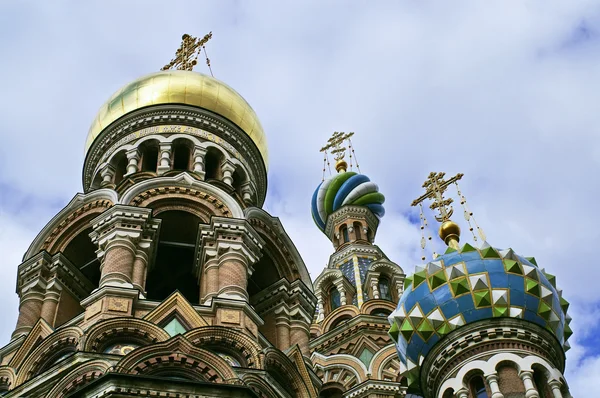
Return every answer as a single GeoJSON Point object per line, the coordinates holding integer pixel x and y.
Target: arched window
{"type": "Point", "coordinates": [212, 162]}
{"type": "Point", "coordinates": [181, 155]}
{"type": "Point", "coordinates": [173, 267]}
{"type": "Point", "coordinates": [540, 379]}
{"type": "Point", "coordinates": [119, 162]}
{"type": "Point", "coordinates": [149, 156]}
{"type": "Point", "coordinates": [478, 387]}
{"type": "Point", "coordinates": [334, 298]}
{"type": "Point", "coordinates": [357, 230]}
{"type": "Point", "coordinates": [345, 236]}
{"type": "Point", "coordinates": [384, 288]}
{"type": "Point", "coordinates": [239, 178]}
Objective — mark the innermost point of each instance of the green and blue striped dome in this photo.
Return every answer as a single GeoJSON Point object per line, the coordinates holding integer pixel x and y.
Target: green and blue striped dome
{"type": "Point", "coordinates": [469, 285]}
{"type": "Point", "coordinates": [348, 188]}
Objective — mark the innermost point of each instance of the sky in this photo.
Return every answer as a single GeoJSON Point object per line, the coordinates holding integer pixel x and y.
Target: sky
{"type": "Point", "coordinates": [505, 92]}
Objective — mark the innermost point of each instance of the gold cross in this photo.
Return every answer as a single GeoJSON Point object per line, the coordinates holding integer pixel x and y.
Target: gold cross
{"type": "Point", "coordinates": [186, 56]}
{"type": "Point", "coordinates": [335, 142]}
{"type": "Point", "coordinates": [435, 186]}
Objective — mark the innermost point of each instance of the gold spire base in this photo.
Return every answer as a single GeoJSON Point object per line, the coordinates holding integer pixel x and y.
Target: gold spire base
{"type": "Point", "coordinates": [341, 166]}
{"type": "Point", "coordinates": [450, 233]}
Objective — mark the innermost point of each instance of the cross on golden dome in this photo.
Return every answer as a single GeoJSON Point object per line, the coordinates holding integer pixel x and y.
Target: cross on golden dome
{"type": "Point", "coordinates": [186, 56]}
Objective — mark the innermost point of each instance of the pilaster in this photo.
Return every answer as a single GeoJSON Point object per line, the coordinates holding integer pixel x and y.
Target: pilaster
{"type": "Point", "coordinates": [228, 248]}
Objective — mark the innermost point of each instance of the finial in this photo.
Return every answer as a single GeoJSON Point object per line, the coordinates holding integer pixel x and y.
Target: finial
{"type": "Point", "coordinates": [338, 150]}
{"type": "Point", "coordinates": [186, 56]}
{"type": "Point", "coordinates": [435, 186]}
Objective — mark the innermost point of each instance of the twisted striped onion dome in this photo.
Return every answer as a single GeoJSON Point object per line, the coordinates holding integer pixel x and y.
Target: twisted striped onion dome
{"type": "Point", "coordinates": [347, 188]}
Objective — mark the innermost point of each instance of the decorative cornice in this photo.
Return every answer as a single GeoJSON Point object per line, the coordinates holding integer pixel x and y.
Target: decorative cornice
{"type": "Point", "coordinates": [380, 387]}
{"type": "Point", "coordinates": [355, 248]}
{"type": "Point", "coordinates": [184, 115]}
{"type": "Point", "coordinates": [229, 236]}
{"type": "Point", "coordinates": [351, 211]}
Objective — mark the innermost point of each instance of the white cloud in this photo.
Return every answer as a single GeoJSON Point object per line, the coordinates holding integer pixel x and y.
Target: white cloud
{"type": "Point", "coordinates": [505, 92]}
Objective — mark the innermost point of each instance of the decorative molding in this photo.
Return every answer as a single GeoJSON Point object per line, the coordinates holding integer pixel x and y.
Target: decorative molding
{"type": "Point", "coordinates": [182, 115]}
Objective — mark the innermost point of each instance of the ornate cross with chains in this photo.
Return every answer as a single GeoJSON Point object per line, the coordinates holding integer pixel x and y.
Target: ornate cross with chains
{"type": "Point", "coordinates": [186, 56]}
{"type": "Point", "coordinates": [435, 186]}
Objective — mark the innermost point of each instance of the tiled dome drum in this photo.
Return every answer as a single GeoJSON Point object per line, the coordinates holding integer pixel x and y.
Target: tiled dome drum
{"type": "Point", "coordinates": [462, 287]}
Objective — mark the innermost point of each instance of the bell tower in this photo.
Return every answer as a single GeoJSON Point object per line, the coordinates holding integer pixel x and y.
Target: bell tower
{"type": "Point", "coordinates": [165, 275]}
{"type": "Point", "coordinates": [351, 350]}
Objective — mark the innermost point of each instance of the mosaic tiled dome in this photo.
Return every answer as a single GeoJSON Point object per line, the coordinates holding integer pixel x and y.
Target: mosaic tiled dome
{"type": "Point", "coordinates": [465, 286]}
{"type": "Point", "coordinates": [347, 188]}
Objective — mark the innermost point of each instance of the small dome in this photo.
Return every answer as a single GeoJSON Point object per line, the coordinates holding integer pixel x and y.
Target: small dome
{"type": "Point", "coordinates": [181, 87]}
{"type": "Point", "coordinates": [462, 287]}
{"type": "Point", "coordinates": [347, 188]}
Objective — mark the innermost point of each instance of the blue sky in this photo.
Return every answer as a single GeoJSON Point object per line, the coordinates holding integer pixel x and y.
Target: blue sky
{"type": "Point", "coordinates": [503, 91]}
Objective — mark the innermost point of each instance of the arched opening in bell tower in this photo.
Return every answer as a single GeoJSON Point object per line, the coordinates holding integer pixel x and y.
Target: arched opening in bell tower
{"type": "Point", "coordinates": [182, 154]}
{"type": "Point", "coordinates": [213, 161]}
{"type": "Point", "coordinates": [81, 252]}
{"type": "Point", "coordinates": [119, 162]}
{"type": "Point", "coordinates": [149, 155]}
{"type": "Point", "coordinates": [173, 267]}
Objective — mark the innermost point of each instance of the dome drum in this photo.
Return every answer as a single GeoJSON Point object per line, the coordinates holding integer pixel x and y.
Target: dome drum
{"type": "Point", "coordinates": [177, 102]}
{"type": "Point", "coordinates": [166, 124]}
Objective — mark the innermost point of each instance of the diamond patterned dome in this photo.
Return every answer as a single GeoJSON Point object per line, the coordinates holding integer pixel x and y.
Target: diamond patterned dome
{"type": "Point", "coordinates": [465, 286]}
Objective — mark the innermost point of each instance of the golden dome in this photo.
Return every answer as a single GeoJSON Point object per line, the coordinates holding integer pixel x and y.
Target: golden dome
{"type": "Point", "coordinates": [181, 87]}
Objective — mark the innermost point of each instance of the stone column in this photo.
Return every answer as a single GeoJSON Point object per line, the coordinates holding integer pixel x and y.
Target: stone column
{"type": "Point", "coordinates": [164, 158]}
{"type": "Point", "coordinates": [530, 391]}
{"type": "Point", "coordinates": [300, 334]}
{"type": "Point", "coordinates": [118, 233]}
{"type": "Point", "coordinates": [282, 325]}
{"type": "Point", "coordinates": [229, 248]}
{"type": "Point", "coordinates": [492, 380]}
{"type": "Point", "coordinates": [108, 174]}
{"type": "Point", "coordinates": [50, 304]}
{"type": "Point", "coordinates": [247, 192]}
{"type": "Point", "coordinates": [227, 169]}
{"type": "Point", "coordinates": [30, 307]}
{"type": "Point", "coordinates": [210, 279]}
{"type": "Point", "coordinates": [462, 393]}
{"type": "Point", "coordinates": [198, 166]}
{"type": "Point", "coordinates": [320, 309]}
{"type": "Point", "coordinates": [233, 275]}
{"type": "Point", "coordinates": [375, 288]}
{"type": "Point", "coordinates": [340, 288]}
{"type": "Point", "coordinates": [140, 264]}
{"type": "Point", "coordinates": [133, 159]}
{"type": "Point", "coordinates": [555, 386]}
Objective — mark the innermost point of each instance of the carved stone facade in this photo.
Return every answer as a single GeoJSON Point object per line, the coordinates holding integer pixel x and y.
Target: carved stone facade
{"type": "Point", "coordinates": [165, 278]}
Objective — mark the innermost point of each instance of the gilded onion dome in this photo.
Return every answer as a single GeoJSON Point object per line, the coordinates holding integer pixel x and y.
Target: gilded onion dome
{"type": "Point", "coordinates": [468, 285]}
{"type": "Point", "coordinates": [346, 188]}
{"type": "Point", "coordinates": [181, 87]}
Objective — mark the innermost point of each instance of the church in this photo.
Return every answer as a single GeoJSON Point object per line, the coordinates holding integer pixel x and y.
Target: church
{"type": "Point", "coordinates": [166, 277]}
